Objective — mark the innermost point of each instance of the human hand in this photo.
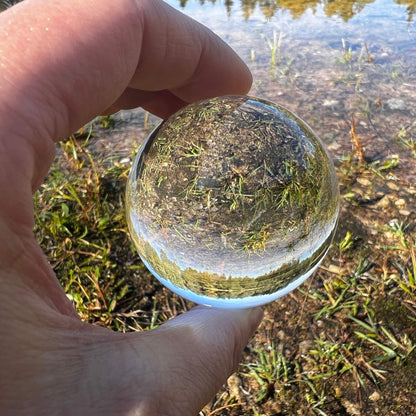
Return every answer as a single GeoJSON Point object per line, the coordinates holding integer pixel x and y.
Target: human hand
{"type": "Point", "coordinates": [63, 62]}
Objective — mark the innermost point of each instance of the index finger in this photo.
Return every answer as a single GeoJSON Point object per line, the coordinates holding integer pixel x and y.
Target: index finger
{"type": "Point", "coordinates": [74, 59]}
{"type": "Point", "coordinates": [181, 61]}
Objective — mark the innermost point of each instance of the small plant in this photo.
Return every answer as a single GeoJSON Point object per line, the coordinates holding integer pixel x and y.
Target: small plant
{"type": "Point", "coordinates": [359, 150]}
{"type": "Point", "coordinates": [346, 243]}
{"type": "Point", "coordinates": [256, 240]}
{"type": "Point", "coordinates": [193, 150]}
{"type": "Point", "coordinates": [388, 344]}
{"type": "Point", "coordinates": [271, 367]}
{"type": "Point", "coordinates": [407, 139]}
{"type": "Point", "coordinates": [274, 46]}
{"type": "Point", "coordinates": [107, 122]}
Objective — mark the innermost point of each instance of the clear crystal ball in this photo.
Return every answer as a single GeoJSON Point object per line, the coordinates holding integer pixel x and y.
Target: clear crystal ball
{"type": "Point", "coordinates": [232, 202]}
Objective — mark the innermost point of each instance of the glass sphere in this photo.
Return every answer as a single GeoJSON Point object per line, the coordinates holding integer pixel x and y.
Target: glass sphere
{"type": "Point", "coordinates": [232, 202]}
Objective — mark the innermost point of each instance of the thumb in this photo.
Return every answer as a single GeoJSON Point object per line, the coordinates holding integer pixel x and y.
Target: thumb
{"type": "Point", "coordinates": [191, 356]}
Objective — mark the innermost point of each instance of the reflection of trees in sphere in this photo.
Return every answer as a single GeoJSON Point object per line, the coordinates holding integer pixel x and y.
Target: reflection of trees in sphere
{"type": "Point", "coordinates": [232, 201]}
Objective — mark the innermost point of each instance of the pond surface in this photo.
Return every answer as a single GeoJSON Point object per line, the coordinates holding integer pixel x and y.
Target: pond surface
{"type": "Point", "coordinates": [326, 61]}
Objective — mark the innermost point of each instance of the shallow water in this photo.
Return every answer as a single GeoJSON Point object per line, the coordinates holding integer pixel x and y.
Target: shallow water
{"type": "Point", "coordinates": [326, 61]}
{"type": "Point", "coordinates": [331, 63]}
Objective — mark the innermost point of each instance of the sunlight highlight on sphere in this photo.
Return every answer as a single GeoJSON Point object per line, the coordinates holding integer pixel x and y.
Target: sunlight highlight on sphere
{"type": "Point", "coordinates": [232, 202]}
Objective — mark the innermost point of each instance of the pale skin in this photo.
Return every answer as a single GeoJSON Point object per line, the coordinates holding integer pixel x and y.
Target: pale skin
{"type": "Point", "coordinates": [62, 62]}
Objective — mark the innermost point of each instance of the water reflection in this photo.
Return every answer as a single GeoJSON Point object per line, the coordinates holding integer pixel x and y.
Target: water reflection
{"type": "Point", "coordinates": [345, 9]}
{"type": "Point", "coordinates": [410, 8]}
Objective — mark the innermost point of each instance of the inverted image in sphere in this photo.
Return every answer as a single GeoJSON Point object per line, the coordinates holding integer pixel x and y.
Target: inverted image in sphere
{"type": "Point", "coordinates": [232, 202]}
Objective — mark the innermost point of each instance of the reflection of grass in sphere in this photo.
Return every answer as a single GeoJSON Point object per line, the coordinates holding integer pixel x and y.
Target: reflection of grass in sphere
{"type": "Point", "coordinates": [232, 201]}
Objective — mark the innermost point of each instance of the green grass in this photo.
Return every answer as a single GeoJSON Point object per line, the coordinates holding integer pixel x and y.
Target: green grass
{"type": "Point", "coordinates": [280, 65]}
{"type": "Point", "coordinates": [407, 139]}
{"type": "Point", "coordinates": [80, 223]}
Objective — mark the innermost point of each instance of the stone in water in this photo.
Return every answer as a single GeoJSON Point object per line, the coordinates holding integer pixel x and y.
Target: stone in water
{"type": "Point", "coordinates": [232, 202]}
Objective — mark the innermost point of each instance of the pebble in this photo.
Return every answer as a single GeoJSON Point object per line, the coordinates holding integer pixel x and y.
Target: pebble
{"type": "Point", "coordinates": [374, 396]}
{"type": "Point", "coordinates": [305, 346]}
{"type": "Point", "coordinates": [364, 181]}
{"type": "Point", "coordinates": [400, 202]}
{"type": "Point", "coordinates": [396, 104]}
{"type": "Point", "coordinates": [393, 186]}
{"type": "Point", "coordinates": [330, 103]}
{"type": "Point", "coordinates": [352, 408]}
{"type": "Point", "coordinates": [394, 222]}
{"type": "Point", "coordinates": [383, 202]}
{"type": "Point", "coordinates": [234, 384]}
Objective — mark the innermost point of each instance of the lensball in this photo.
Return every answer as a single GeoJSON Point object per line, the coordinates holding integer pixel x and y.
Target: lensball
{"type": "Point", "coordinates": [232, 202]}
